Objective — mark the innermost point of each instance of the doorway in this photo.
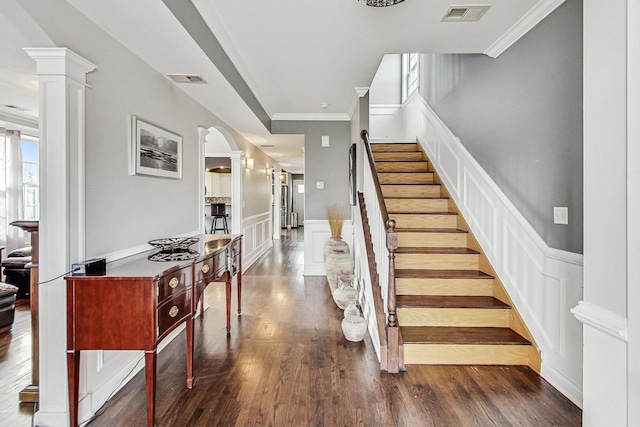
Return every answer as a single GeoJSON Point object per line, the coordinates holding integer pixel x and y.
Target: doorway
{"type": "Point", "coordinates": [297, 205]}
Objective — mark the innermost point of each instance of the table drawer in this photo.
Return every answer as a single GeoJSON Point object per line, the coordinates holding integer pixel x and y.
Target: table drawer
{"type": "Point", "coordinates": [173, 311]}
{"type": "Point", "coordinates": [173, 282]}
{"type": "Point", "coordinates": [211, 268]}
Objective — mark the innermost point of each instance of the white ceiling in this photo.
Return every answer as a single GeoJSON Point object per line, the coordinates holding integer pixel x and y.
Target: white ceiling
{"type": "Point", "coordinates": [294, 54]}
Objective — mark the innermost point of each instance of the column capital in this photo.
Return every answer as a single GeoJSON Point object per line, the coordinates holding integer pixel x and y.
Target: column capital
{"type": "Point", "coordinates": [60, 61]}
{"type": "Point", "coordinates": [202, 134]}
{"type": "Point", "coordinates": [236, 154]}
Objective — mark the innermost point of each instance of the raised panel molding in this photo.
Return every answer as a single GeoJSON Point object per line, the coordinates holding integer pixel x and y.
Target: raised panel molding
{"type": "Point", "coordinates": [256, 240]}
{"type": "Point", "coordinates": [449, 163]}
{"type": "Point", "coordinates": [543, 283]}
{"type": "Point", "coordinates": [482, 211]}
{"type": "Point", "coordinates": [316, 233]}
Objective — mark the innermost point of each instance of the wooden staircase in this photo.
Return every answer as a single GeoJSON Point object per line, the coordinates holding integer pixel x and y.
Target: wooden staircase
{"type": "Point", "coordinates": [451, 307]}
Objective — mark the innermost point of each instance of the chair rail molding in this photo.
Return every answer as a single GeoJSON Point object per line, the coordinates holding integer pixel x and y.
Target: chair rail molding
{"type": "Point", "coordinates": [601, 319]}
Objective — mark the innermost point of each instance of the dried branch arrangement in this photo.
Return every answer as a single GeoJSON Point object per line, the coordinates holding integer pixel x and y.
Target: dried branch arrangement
{"type": "Point", "coordinates": [335, 215]}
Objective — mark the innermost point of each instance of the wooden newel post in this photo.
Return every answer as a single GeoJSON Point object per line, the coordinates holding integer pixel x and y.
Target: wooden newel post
{"type": "Point", "coordinates": [392, 245]}
{"type": "Point", "coordinates": [394, 353]}
{"type": "Point", "coordinates": [31, 392]}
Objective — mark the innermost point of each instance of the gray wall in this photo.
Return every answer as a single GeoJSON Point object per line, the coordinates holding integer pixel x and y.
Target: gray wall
{"type": "Point", "coordinates": [520, 117]}
{"type": "Point", "coordinates": [327, 164]}
{"type": "Point", "coordinates": [124, 211]}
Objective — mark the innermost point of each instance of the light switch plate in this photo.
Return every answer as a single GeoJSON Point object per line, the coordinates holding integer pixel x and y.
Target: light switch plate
{"type": "Point", "coordinates": [325, 140]}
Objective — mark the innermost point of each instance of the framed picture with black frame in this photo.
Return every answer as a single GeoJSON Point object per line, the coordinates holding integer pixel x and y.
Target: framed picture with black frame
{"type": "Point", "coordinates": [155, 151]}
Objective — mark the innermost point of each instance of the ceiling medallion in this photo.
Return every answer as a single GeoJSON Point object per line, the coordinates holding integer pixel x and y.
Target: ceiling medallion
{"type": "Point", "coordinates": [380, 3]}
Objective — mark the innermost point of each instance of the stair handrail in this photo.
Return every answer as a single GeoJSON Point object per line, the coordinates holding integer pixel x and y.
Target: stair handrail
{"type": "Point", "coordinates": [394, 360]}
{"type": "Point", "coordinates": [364, 134]}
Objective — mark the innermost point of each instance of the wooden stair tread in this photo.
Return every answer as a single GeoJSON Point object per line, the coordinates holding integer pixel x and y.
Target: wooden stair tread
{"type": "Point", "coordinates": [394, 146]}
{"type": "Point", "coordinates": [410, 183]}
{"type": "Point", "coordinates": [397, 151]}
{"type": "Point", "coordinates": [441, 274]}
{"type": "Point", "coordinates": [461, 335]}
{"type": "Point", "coordinates": [415, 197]}
{"type": "Point", "coordinates": [421, 213]}
{"type": "Point", "coordinates": [437, 250]}
{"type": "Point", "coordinates": [401, 160]}
{"type": "Point", "coordinates": [404, 172]}
{"type": "Point", "coordinates": [449, 301]}
{"type": "Point", "coordinates": [431, 230]}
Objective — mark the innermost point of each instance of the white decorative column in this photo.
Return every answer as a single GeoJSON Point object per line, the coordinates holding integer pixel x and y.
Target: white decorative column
{"type": "Point", "coordinates": [237, 204]}
{"type": "Point", "coordinates": [633, 211]}
{"type": "Point", "coordinates": [62, 84]}
{"type": "Point", "coordinates": [603, 310]}
{"type": "Point", "coordinates": [202, 138]}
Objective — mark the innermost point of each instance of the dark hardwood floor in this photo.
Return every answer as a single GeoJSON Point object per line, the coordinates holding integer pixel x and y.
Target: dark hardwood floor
{"type": "Point", "coordinates": [15, 368]}
{"type": "Point", "coordinates": [286, 363]}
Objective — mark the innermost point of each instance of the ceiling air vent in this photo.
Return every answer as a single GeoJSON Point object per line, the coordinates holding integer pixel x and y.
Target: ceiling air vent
{"type": "Point", "coordinates": [14, 107]}
{"type": "Point", "coordinates": [186, 78]}
{"type": "Point", "coordinates": [465, 13]}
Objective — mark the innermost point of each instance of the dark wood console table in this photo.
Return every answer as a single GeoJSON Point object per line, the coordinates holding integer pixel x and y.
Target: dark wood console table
{"type": "Point", "coordinates": [139, 302]}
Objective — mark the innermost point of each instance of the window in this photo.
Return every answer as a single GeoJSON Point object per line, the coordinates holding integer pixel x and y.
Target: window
{"type": "Point", "coordinates": [30, 177]}
{"type": "Point", "coordinates": [410, 74]}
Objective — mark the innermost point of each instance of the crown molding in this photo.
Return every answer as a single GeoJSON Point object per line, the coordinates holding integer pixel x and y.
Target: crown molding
{"type": "Point", "coordinates": [21, 122]}
{"type": "Point", "coordinates": [213, 20]}
{"type": "Point", "coordinates": [537, 13]}
{"type": "Point", "coordinates": [362, 91]}
{"type": "Point", "coordinates": [320, 117]}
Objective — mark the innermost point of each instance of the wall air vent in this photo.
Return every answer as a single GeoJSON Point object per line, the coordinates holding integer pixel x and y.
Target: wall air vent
{"type": "Point", "coordinates": [186, 78]}
{"type": "Point", "coordinates": [465, 13]}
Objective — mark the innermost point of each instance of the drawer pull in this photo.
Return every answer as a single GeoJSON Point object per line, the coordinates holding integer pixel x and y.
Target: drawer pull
{"type": "Point", "coordinates": [173, 312]}
{"type": "Point", "coordinates": [174, 282]}
{"type": "Point", "coordinates": [205, 268]}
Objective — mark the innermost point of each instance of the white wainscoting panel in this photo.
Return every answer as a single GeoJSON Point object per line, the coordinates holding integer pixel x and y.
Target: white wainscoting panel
{"type": "Point", "coordinates": [257, 240]}
{"type": "Point", "coordinates": [316, 234]}
{"type": "Point", "coordinates": [450, 163]}
{"type": "Point", "coordinates": [384, 123]}
{"type": "Point", "coordinates": [481, 209]}
{"type": "Point", "coordinates": [544, 283]}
